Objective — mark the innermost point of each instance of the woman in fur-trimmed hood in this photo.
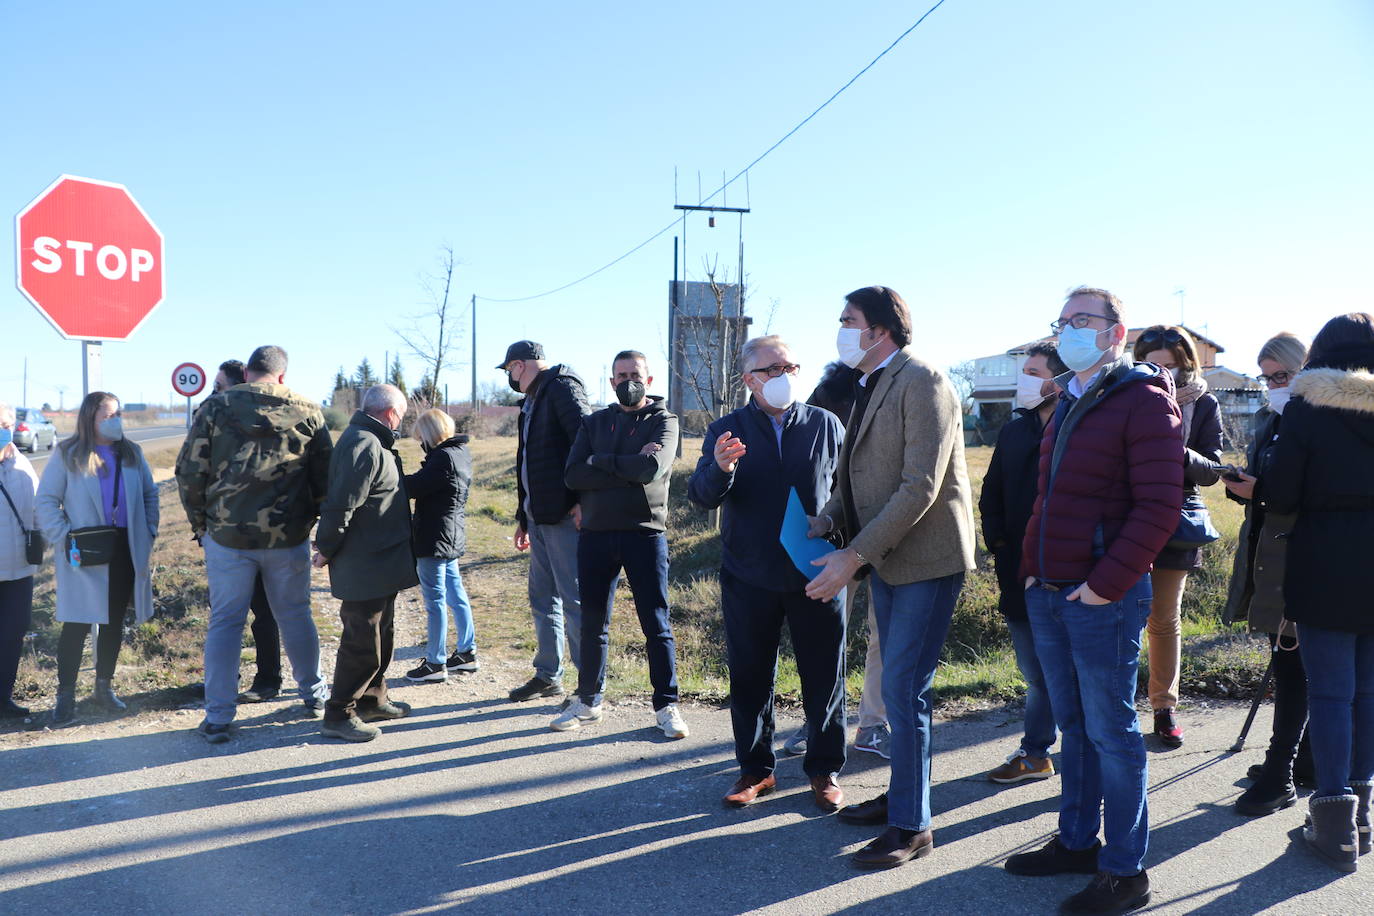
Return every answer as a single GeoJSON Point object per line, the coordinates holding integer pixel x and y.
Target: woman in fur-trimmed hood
{"type": "Point", "coordinates": [1323, 470]}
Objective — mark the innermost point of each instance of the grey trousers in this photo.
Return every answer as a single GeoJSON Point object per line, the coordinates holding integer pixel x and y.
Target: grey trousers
{"type": "Point", "coordinates": [554, 601]}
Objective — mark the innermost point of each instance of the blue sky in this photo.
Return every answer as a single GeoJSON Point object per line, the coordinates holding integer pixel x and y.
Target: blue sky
{"type": "Point", "coordinates": [306, 162]}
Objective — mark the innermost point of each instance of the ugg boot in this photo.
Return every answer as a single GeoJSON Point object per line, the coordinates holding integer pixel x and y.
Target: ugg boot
{"type": "Point", "coordinates": [1362, 826]}
{"type": "Point", "coordinates": [64, 710]}
{"type": "Point", "coordinates": [1332, 831]}
{"type": "Point", "coordinates": [104, 696]}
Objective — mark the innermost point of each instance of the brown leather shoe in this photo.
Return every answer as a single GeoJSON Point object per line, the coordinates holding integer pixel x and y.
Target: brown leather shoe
{"type": "Point", "coordinates": [873, 811]}
{"type": "Point", "coordinates": [891, 849]}
{"type": "Point", "coordinates": [829, 796]}
{"type": "Point", "coordinates": [749, 787]}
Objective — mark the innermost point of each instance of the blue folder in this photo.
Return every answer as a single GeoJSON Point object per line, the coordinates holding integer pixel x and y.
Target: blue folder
{"type": "Point", "coordinates": [799, 547]}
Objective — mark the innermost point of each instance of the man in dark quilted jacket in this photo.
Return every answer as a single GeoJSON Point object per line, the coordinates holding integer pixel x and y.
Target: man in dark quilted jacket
{"type": "Point", "coordinates": [1110, 495]}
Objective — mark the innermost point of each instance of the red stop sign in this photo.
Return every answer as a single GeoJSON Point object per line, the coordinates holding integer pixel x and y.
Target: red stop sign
{"type": "Point", "coordinates": [89, 259]}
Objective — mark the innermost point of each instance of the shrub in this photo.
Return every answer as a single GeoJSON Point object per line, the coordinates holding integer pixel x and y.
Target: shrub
{"type": "Point", "coordinates": [335, 418]}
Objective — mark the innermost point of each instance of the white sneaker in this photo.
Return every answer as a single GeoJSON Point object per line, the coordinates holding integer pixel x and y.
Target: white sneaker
{"type": "Point", "coordinates": [575, 715]}
{"type": "Point", "coordinates": [670, 720]}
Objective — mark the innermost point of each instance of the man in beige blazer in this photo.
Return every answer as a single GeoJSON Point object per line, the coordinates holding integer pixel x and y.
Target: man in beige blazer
{"type": "Point", "coordinates": [904, 507]}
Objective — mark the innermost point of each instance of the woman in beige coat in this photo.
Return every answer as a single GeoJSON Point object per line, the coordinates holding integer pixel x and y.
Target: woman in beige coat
{"type": "Point", "coordinates": [98, 478]}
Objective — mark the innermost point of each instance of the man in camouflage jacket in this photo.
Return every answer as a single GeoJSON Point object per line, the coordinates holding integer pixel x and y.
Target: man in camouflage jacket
{"type": "Point", "coordinates": [252, 475]}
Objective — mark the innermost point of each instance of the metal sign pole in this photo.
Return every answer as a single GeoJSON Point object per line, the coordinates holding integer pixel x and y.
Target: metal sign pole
{"type": "Point", "coordinates": [188, 411]}
{"type": "Point", "coordinates": [91, 375]}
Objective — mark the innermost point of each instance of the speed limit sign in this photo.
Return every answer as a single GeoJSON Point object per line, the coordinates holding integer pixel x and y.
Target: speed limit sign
{"type": "Point", "coordinates": [188, 380]}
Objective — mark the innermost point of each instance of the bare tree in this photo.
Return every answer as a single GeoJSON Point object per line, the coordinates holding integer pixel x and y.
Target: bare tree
{"type": "Point", "coordinates": [703, 362]}
{"type": "Point", "coordinates": [962, 378]}
{"type": "Point", "coordinates": [434, 333]}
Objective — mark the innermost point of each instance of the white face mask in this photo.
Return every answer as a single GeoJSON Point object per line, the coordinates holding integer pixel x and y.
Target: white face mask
{"type": "Point", "coordinates": [1278, 398]}
{"type": "Point", "coordinates": [1028, 394]}
{"type": "Point", "coordinates": [851, 351]}
{"type": "Point", "coordinates": [778, 392]}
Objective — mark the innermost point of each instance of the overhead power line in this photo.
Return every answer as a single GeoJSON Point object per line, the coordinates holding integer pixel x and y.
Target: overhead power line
{"type": "Point", "coordinates": [738, 175]}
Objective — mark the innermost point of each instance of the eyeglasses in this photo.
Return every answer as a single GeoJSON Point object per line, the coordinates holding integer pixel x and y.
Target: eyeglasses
{"type": "Point", "coordinates": [1169, 337]}
{"type": "Point", "coordinates": [777, 369]}
{"type": "Point", "coordinates": [1276, 380]}
{"type": "Point", "coordinates": [1079, 320]}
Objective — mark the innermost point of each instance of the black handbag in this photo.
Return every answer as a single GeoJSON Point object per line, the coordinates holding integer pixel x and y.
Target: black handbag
{"type": "Point", "coordinates": [34, 544]}
{"type": "Point", "coordinates": [94, 546]}
{"type": "Point", "coordinates": [1195, 528]}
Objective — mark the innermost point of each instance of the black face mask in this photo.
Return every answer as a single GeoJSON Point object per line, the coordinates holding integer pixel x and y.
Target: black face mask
{"type": "Point", "coordinates": [514, 385]}
{"type": "Point", "coordinates": [629, 392]}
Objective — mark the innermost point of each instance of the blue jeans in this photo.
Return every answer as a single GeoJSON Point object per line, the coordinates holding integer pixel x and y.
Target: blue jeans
{"type": "Point", "coordinates": [913, 620]}
{"type": "Point", "coordinates": [231, 574]}
{"type": "Point", "coordinates": [1340, 703]}
{"type": "Point", "coordinates": [554, 600]}
{"type": "Point", "coordinates": [1040, 732]}
{"type": "Point", "coordinates": [441, 587]}
{"type": "Point", "coordinates": [644, 557]}
{"type": "Point", "coordinates": [1090, 655]}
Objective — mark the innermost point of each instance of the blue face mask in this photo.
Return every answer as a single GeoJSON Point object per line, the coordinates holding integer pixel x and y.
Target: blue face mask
{"type": "Point", "coordinates": [1078, 348]}
{"type": "Point", "coordinates": [6, 437]}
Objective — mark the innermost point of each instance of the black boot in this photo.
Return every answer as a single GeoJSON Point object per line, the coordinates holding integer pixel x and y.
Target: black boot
{"type": "Point", "coordinates": [1331, 833]}
{"type": "Point", "coordinates": [1304, 770]}
{"type": "Point", "coordinates": [104, 696]}
{"type": "Point", "coordinates": [1272, 789]}
{"type": "Point", "coordinates": [1265, 797]}
{"type": "Point", "coordinates": [64, 710]}
{"type": "Point", "coordinates": [12, 710]}
{"type": "Point", "coordinates": [1362, 826]}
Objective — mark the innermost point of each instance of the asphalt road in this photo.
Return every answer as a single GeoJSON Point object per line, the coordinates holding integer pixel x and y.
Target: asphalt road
{"type": "Point", "coordinates": [472, 804]}
{"type": "Point", "coordinates": [144, 435]}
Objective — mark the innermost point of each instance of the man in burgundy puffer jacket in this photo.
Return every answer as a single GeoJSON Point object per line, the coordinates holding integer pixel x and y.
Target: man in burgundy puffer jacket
{"type": "Point", "coordinates": [1110, 495]}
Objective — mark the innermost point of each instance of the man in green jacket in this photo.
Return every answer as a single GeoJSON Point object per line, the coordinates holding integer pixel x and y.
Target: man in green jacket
{"type": "Point", "coordinates": [364, 539]}
{"type": "Point", "coordinates": [252, 475]}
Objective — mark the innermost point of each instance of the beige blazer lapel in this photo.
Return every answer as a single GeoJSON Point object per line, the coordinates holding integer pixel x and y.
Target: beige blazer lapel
{"type": "Point", "coordinates": [885, 382]}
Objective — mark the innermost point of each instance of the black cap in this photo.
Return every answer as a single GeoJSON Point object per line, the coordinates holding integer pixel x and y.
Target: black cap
{"type": "Point", "coordinates": [522, 349]}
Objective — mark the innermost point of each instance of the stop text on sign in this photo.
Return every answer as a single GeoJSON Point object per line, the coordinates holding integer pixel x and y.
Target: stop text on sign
{"type": "Point", "coordinates": [110, 260]}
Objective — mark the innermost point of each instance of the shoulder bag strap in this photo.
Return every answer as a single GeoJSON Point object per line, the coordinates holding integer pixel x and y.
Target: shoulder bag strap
{"type": "Point", "coordinates": [19, 518]}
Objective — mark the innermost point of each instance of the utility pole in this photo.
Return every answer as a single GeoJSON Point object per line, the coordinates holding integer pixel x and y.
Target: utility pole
{"type": "Point", "coordinates": [474, 354]}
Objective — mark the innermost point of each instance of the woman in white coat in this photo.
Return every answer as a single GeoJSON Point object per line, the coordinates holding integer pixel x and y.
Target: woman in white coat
{"type": "Point", "coordinates": [98, 478]}
{"type": "Point", "coordinates": [17, 484]}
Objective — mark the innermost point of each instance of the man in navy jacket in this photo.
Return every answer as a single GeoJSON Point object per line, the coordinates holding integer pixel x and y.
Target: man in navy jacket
{"type": "Point", "coordinates": [751, 459]}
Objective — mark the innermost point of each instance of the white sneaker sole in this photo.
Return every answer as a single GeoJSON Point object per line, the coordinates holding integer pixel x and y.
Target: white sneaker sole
{"type": "Point", "coordinates": [674, 733]}
{"type": "Point", "coordinates": [868, 749]}
{"type": "Point", "coordinates": [437, 678]}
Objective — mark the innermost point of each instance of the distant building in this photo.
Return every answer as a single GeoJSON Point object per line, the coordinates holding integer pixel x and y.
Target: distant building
{"type": "Point", "coordinates": [994, 382]}
{"type": "Point", "coordinates": [699, 316]}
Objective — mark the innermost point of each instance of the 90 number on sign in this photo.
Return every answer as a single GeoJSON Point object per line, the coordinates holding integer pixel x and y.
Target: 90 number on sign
{"type": "Point", "coordinates": [188, 379]}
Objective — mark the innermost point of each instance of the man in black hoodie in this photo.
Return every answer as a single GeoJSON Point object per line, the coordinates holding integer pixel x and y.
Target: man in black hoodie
{"type": "Point", "coordinates": [619, 465]}
{"type": "Point", "coordinates": [546, 511]}
{"type": "Point", "coordinates": [1005, 505]}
